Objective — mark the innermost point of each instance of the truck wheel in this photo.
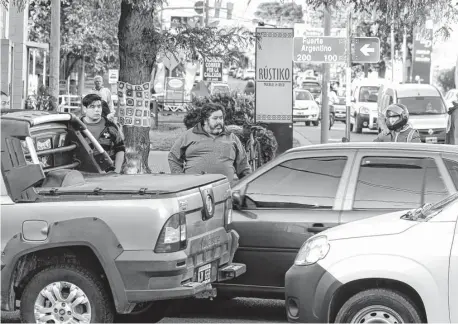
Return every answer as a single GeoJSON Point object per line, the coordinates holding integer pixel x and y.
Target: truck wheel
{"type": "Point", "coordinates": [307, 123]}
{"type": "Point", "coordinates": [151, 312]}
{"type": "Point", "coordinates": [316, 123]}
{"type": "Point", "coordinates": [66, 293]}
{"type": "Point", "coordinates": [377, 306]}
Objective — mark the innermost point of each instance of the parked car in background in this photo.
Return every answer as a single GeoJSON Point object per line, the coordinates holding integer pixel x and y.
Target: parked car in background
{"type": "Point", "coordinates": [313, 86]}
{"type": "Point", "coordinates": [239, 73]}
{"type": "Point", "coordinates": [450, 96]}
{"type": "Point", "coordinates": [363, 113]}
{"type": "Point", "coordinates": [232, 71]}
{"type": "Point", "coordinates": [217, 87]}
{"type": "Point", "coordinates": [427, 108]}
{"type": "Point", "coordinates": [340, 110]}
{"type": "Point", "coordinates": [380, 270]}
{"type": "Point", "coordinates": [305, 108]}
{"type": "Point", "coordinates": [248, 74]}
{"type": "Point", "coordinates": [310, 189]}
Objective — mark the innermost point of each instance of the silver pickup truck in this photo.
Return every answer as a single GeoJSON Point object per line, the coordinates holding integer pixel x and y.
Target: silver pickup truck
{"type": "Point", "coordinates": [78, 244]}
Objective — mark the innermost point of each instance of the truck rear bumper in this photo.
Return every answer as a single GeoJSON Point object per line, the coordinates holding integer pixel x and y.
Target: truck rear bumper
{"type": "Point", "coordinates": [190, 289]}
{"type": "Point", "coordinates": [149, 276]}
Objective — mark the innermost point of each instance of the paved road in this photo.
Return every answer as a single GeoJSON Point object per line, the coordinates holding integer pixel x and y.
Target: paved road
{"type": "Point", "coordinates": [313, 133]}
{"type": "Point", "coordinates": [238, 310]}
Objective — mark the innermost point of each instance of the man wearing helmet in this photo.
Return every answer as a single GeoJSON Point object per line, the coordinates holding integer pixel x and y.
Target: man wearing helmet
{"type": "Point", "coordinates": [397, 121]}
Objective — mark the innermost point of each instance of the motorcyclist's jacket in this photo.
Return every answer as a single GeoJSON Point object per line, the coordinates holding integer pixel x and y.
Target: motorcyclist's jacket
{"type": "Point", "coordinates": [405, 134]}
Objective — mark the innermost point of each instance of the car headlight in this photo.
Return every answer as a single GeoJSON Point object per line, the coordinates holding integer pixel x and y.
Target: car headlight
{"type": "Point", "coordinates": [364, 110]}
{"type": "Point", "coordinates": [313, 250]}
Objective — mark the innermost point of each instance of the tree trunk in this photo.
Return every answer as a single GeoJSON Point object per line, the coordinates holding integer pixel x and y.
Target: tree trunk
{"type": "Point", "coordinates": [135, 66]}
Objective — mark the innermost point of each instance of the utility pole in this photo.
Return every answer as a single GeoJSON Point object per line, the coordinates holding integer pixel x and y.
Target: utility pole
{"type": "Point", "coordinates": [348, 80]}
{"type": "Point", "coordinates": [404, 55]}
{"type": "Point", "coordinates": [392, 49]}
{"type": "Point", "coordinates": [54, 57]}
{"type": "Point", "coordinates": [207, 9]}
{"type": "Point", "coordinates": [325, 85]}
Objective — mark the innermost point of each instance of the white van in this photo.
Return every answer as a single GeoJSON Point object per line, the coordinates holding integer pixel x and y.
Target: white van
{"type": "Point", "coordinates": [400, 267]}
{"type": "Point", "coordinates": [363, 112]}
{"type": "Point", "coordinates": [427, 108]}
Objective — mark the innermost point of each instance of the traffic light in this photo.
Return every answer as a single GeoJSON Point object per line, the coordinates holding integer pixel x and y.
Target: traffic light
{"type": "Point", "coordinates": [229, 7]}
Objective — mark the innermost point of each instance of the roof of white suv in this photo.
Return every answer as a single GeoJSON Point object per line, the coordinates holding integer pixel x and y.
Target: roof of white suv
{"type": "Point", "coordinates": [415, 90]}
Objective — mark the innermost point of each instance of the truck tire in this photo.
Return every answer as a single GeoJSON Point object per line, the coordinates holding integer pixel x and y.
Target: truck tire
{"type": "Point", "coordinates": [59, 282]}
{"type": "Point", "coordinates": [316, 123]}
{"type": "Point", "coordinates": [383, 304]}
{"type": "Point", "coordinates": [152, 312]}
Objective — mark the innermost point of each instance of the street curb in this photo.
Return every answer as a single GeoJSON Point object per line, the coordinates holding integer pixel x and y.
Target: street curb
{"type": "Point", "coordinates": [303, 141]}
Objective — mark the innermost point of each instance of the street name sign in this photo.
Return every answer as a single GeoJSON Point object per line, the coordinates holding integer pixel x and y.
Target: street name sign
{"type": "Point", "coordinates": [332, 49]}
{"type": "Point", "coordinates": [366, 50]}
{"type": "Point", "coordinates": [319, 49]}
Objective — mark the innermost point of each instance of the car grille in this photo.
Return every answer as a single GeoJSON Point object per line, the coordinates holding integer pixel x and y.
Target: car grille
{"type": "Point", "coordinates": [436, 132]}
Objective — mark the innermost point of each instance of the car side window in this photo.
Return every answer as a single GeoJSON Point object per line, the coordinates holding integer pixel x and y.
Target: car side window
{"type": "Point", "coordinates": [298, 183]}
{"type": "Point", "coordinates": [452, 167]}
{"type": "Point", "coordinates": [398, 183]}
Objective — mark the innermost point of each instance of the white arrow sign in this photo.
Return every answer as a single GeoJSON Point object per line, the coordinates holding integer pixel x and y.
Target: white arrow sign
{"type": "Point", "coordinates": [366, 49]}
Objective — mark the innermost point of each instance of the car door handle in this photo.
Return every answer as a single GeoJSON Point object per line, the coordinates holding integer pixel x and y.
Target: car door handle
{"type": "Point", "coordinates": [316, 228]}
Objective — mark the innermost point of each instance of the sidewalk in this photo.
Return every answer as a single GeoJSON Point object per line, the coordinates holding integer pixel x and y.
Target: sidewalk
{"type": "Point", "coordinates": [158, 162]}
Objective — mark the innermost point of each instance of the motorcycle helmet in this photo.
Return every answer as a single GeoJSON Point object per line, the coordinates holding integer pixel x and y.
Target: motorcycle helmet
{"type": "Point", "coordinates": [396, 110]}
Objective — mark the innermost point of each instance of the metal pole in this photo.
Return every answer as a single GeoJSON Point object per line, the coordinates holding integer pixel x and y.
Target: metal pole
{"type": "Point", "coordinates": [44, 68]}
{"type": "Point", "coordinates": [81, 78]}
{"type": "Point", "coordinates": [404, 56]}
{"type": "Point", "coordinates": [392, 50]}
{"type": "Point", "coordinates": [325, 85]}
{"type": "Point", "coordinates": [54, 53]}
{"type": "Point", "coordinates": [207, 7]}
{"type": "Point", "coordinates": [348, 80]}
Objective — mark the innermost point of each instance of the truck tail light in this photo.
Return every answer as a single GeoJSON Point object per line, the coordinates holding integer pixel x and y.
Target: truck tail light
{"type": "Point", "coordinates": [173, 236]}
{"type": "Point", "coordinates": [227, 212]}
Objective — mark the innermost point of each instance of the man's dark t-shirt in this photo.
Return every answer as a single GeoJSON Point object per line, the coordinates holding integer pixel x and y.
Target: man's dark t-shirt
{"type": "Point", "coordinates": [107, 134]}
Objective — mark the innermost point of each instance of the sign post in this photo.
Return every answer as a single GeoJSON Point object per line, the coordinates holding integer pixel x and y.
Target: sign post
{"type": "Point", "coordinates": [366, 50]}
{"type": "Point", "coordinates": [274, 83]}
{"type": "Point", "coordinates": [421, 55]}
{"type": "Point", "coordinates": [331, 49]}
{"type": "Point", "coordinates": [213, 70]}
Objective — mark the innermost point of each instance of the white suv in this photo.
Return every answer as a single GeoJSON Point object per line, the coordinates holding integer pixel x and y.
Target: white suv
{"type": "Point", "coordinates": [400, 267]}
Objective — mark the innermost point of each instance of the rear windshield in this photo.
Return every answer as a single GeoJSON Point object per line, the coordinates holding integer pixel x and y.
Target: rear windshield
{"type": "Point", "coordinates": [302, 95]}
{"type": "Point", "coordinates": [368, 94]}
{"type": "Point", "coordinates": [313, 87]}
{"type": "Point", "coordinates": [423, 105]}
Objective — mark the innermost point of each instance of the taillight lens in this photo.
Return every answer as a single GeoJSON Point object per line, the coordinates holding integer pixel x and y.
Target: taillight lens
{"type": "Point", "coordinates": [173, 236]}
{"type": "Point", "coordinates": [228, 212]}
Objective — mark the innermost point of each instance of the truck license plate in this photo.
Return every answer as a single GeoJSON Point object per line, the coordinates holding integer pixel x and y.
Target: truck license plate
{"type": "Point", "coordinates": [431, 140]}
{"type": "Point", "coordinates": [204, 273]}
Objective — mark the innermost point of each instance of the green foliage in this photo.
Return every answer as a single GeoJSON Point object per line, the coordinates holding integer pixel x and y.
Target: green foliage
{"type": "Point", "coordinates": [239, 117]}
{"type": "Point", "coordinates": [280, 12]}
{"type": "Point", "coordinates": [86, 30]}
{"type": "Point", "coordinates": [446, 79]}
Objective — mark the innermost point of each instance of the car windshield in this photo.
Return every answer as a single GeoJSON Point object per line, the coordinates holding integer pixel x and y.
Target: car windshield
{"type": "Point", "coordinates": [303, 95]}
{"type": "Point", "coordinates": [368, 94]}
{"type": "Point", "coordinates": [424, 105]}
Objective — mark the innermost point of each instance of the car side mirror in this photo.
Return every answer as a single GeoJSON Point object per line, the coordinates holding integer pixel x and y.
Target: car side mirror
{"type": "Point", "coordinates": [237, 200]}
